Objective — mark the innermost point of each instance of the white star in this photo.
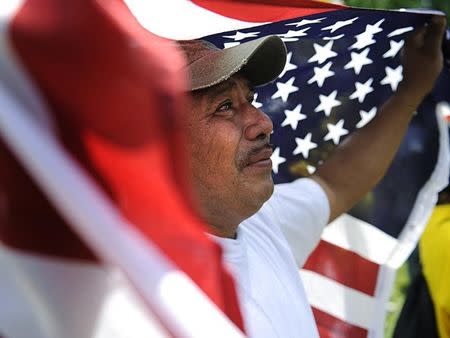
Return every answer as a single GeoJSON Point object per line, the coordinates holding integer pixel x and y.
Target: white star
{"type": "Point", "coordinates": [359, 60]}
{"type": "Point", "coordinates": [395, 48]}
{"type": "Point", "coordinates": [288, 66]}
{"type": "Point", "coordinates": [335, 132]}
{"type": "Point", "coordinates": [284, 89]}
{"type": "Point", "coordinates": [238, 36]}
{"type": "Point", "coordinates": [255, 103]}
{"type": "Point", "coordinates": [293, 35]}
{"type": "Point", "coordinates": [304, 145]}
{"type": "Point", "coordinates": [362, 89]}
{"type": "Point", "coordinates": [393, 77]}
{"type": "Point", "coordinates": [365, 38]}
{"type": "Point", "coordinates": [276, 160]}
{"type": "Point", "coordinates": [366, 117]}
{"type": "Point", "coordinates": [304, 22]}
{"type": "Point", "coordinates": [339, 24]}
{"type": "Point", "coordinates": [293, 117]}
{"type": "Point", "coordinates": [327, 103]}
{"type": "Point", "coordinates": [400, 31]}
{"type": "Point", "coordinates": [336, 37]}
{"type": "Point", "coordinates": [230, 44]}
{"type": "Point", "coordinates": [323, 53]}
{"type": "Point", "coordinates": [375, 28]}
{"type": "Point", "coordinates": [320, 74]}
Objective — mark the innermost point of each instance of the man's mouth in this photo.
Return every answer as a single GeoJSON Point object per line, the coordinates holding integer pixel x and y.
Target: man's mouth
{"type": "Point", "coordinates": [260, 157]}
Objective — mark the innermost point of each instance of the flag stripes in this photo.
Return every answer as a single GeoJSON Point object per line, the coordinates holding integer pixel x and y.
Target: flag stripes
{"type": "Point", "coordinates": [347, 267]}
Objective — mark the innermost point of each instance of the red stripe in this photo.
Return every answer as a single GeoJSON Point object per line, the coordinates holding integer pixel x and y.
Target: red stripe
{"type": "Point", "coordinates": [345, 267]}
{"type": "Point", "coordinates": [266, 10]}
{"type": "Point", "coordinates": [28, 221]}
{"type": "Point", "coordinates": [116, 97]}
{"type": "Point", "coordinates": [332, 327]}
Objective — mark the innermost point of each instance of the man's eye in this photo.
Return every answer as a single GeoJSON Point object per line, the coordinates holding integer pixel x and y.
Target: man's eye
{"type": "Point", "coordinates": [224, 109]}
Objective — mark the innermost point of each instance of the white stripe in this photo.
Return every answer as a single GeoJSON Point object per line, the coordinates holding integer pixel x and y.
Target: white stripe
{"type": "Point", "coordinates": [360, 237]}
{"type": "Point", "coordinates": [52, 297]}
{"type": "Point", "coordinates": [340, 301]}
{"type": "Point", "coordinates": [182, 19]}
{"type": "Point", "coordinates": [100, 224]}
{"type": "Point", "coordinates": [427, 196]}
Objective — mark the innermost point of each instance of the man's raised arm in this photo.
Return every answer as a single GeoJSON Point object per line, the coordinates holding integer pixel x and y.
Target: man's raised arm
{"type": "Point", "coordinates": [361, 161]}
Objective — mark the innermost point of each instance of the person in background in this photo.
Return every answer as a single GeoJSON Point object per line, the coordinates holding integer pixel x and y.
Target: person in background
{"type": "Point", "coordinates": [426, 312]}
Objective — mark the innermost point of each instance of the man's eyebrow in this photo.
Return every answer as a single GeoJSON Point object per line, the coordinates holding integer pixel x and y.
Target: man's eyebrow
{"type": "Point", "coordinates": [219, 89]}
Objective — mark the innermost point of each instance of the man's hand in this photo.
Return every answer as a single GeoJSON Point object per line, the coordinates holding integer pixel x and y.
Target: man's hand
{"type": "Point", "coordinates": [362, 159]}
{"type": "Point", "coordinates": [422, 61]}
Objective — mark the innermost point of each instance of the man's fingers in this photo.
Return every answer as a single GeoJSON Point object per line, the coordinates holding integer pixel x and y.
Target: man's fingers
{"type": "Point", "coordinates": [434, 33]}
{"type": "Point", "coordinates": [415, 40]}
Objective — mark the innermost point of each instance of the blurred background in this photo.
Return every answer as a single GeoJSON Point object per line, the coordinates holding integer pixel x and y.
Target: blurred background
{"type": "Point", "coordinates": [442, 5]}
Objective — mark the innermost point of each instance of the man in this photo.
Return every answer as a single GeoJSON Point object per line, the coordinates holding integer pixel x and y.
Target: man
{"type": "Point", "coordinates": [267, 233]}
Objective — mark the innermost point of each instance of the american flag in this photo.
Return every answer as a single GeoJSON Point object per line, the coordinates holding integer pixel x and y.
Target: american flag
{"type": "Point", "coordinates": [341, 66]}
{"type": "Point", "coordinates": [348, 277]}
{"type": "Point", "coordinates": [97, 237]}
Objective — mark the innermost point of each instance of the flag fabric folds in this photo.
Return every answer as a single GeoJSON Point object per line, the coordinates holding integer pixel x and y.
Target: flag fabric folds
{"type": "Point", "coordinates": [91, 174]}
{"type": "Point", "coordinates": [98, 237]}
{"type": "Point", "coordinates": [343, 63]}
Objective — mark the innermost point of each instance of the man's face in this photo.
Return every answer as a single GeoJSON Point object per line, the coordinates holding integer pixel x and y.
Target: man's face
{"type": "Point", "coordinates": [228, 145]}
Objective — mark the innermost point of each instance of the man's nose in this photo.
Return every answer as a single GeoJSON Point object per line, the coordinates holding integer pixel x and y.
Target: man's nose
{"type": "Point", "coordinates": [257, 124]}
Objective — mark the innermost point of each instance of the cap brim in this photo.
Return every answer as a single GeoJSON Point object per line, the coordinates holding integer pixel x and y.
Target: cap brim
{"type": "Point", "coordinates": [260, 60]}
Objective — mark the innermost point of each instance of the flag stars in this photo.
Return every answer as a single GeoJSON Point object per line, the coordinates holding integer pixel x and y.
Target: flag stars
{"type": "Point", "coordinates": [238, 36]}
{"type": "Point", "coordinates": [339, 24]}
{"type": "Point", "coordinates": [284, 89]}
{"type": "Point", "coordinates": [293, 35]}
{"type": "Point", "coordinates": [336, 37]}
{"type": "Point", "coordinates": [375, 28]}
{"type": "Point", "coordinates": [400, 31]}
{"type": "Point", "coordinates": [393, 77]}
{"type": "Point", "coordinates": [293, 117]}
{"type": "Point", "coordinates": [288, 66]}
{"type": "Point", "coordinates": [276, 160]}
{"type": "Point", "coordinates": [362, 89]}
{"type": "Point", "coordinates": [255, 102]}
{"type": "Point", "coordinates": [335, 132]}
{"type": "Point", "coordinates": [395, 47]}
{"type": "Point", "coordinates": [321, 74]}
{"type": "Point", "coordinates": [366, 117]}
{"type": "Point", "coordinates": [323, 53]}
{"type": "Point", "coordinates": [365, 38]}
{"type": "Point", "coordinates": [358, 61]}
{"type": "Point", "coordinates": [304, 145]}
{"type": "Point", "coordinates": [230, 44]}
{"type": "Point", "coordinates": [305, 22]}
{"type": "Point", "coordinates": [327, 103]}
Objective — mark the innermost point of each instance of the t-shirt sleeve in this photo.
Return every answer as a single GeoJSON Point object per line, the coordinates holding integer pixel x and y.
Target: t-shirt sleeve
{"type": "Point", "coordinates": [302, 209]}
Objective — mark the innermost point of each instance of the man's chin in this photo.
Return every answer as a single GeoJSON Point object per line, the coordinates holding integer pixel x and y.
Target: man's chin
{"type": "Point", "coordinates": [263, 190]}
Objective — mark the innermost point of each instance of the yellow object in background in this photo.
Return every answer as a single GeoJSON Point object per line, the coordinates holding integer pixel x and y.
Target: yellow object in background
{"type": "Point", "coordinates": [435, 258]}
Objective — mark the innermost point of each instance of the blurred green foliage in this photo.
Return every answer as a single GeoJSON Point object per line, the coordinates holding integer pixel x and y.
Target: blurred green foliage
{"type": "Point", "coordinates": [442, 5]}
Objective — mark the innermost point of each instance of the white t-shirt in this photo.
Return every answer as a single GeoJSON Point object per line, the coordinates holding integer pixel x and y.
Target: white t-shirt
{"type": "Point", "coordinates": [266, 256]}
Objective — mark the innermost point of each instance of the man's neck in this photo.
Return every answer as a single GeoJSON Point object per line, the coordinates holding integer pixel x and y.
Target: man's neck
{"type": "Point", "coordinates": [226, 232]}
